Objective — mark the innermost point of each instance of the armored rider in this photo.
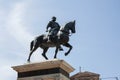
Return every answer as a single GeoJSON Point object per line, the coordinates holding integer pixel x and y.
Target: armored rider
{"type": "Point", "coordinates": [54, 28]}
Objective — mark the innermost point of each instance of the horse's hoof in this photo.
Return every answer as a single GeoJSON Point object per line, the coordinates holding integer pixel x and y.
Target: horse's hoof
{"type": "Point", "coordinates": [66, 54]}
{"type": "Point", "coordinates": [55, 57]}
{"type": "Point", "coordinates": [28, 61]}
{"type": "Point", "coordinates": [44, 56]}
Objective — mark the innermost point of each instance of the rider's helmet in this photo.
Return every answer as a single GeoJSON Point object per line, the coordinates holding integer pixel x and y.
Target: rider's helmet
{"type": "Point", "coordinates": [54, 18]}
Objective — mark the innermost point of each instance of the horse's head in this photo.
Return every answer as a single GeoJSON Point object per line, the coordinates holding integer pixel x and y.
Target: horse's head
{"type": "Point", "coordinates": [70, 26]}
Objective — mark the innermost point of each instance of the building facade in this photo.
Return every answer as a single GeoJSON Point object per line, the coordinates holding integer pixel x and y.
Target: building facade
{"type": "Point", "coordinates": [85, 76]}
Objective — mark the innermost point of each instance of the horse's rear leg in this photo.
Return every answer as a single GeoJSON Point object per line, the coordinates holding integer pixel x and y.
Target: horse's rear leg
{"type": "Point", "coordinates": [69, 46]}
{"type": "Point", "coordinates": [56, 51]}
{"type": "Point", "coordinates": [31, 52]}
{"type": "Point", "coordinates": [44, 53]}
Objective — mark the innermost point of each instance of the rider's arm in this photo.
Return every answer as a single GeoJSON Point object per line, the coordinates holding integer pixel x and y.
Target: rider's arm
{"type": "Point", "coordinates": [58, 25]}
{"type": "Point", "coordinates": [49, 25]}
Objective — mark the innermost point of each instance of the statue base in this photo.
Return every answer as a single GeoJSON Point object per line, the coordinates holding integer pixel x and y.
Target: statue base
{"type": "Point", "coordinates": [47, 70]}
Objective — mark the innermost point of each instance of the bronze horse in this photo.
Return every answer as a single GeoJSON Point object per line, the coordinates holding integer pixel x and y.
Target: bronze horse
{"type": "Point", "coordinates": [63, 38]}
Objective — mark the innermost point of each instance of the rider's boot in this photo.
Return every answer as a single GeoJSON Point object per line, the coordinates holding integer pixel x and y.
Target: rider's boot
{"type": "Point", "coordinates": [49, 38]}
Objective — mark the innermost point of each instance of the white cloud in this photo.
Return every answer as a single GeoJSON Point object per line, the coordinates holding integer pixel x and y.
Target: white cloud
{"type": "Point", "coordinates": [17, 29]}
{"type": "Point", "coordinates": [15, 24]}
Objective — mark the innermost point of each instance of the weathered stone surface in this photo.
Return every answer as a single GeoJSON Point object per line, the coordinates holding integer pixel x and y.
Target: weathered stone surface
{"type": "Point", "coordinates": [46, 70]}
{"type": "Point", "coordinates": [44, 65]}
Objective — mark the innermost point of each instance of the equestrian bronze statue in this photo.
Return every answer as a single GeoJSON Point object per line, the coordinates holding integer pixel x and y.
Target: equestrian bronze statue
{"type": "Point", "coordinates": [61, 38]}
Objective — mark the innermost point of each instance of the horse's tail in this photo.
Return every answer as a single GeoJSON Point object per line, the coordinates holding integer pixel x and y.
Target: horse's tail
{"type": "Point", "coordinates": [31, 45]}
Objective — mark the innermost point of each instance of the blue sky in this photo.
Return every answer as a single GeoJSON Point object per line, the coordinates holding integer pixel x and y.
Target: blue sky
{"type": "Point", "coordinates": [96, 43]}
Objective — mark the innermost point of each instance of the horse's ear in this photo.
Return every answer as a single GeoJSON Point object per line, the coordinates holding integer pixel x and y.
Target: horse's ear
{"type": "Point", "coordinates": [74, 21]}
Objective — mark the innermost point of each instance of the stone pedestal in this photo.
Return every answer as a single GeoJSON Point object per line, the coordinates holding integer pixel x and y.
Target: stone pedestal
{"type": "Point", "coordinates": [47, 70]}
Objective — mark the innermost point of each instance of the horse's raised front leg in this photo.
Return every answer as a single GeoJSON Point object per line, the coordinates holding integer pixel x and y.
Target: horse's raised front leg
{"type": "Point", "coordinates": [69, 46]}
{"type": "Point", "coordinates": [44, 53]}
{"type": "Point", "coordinates": [56, 51]}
